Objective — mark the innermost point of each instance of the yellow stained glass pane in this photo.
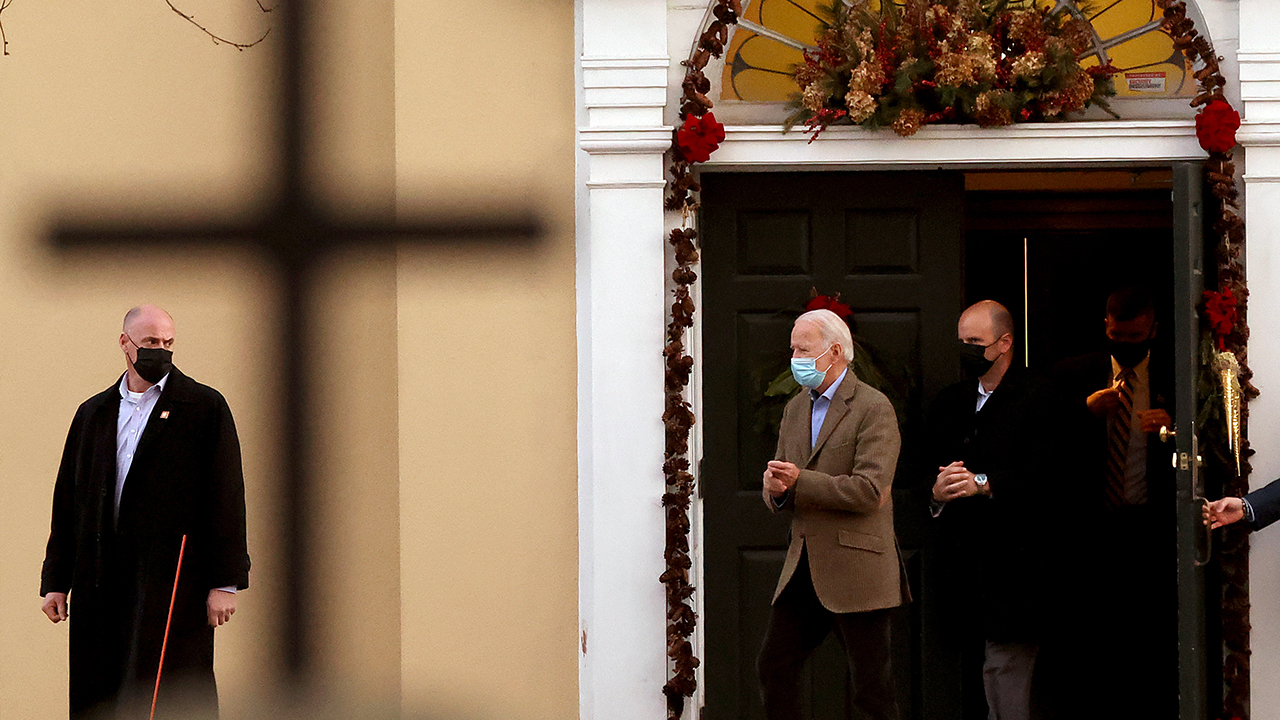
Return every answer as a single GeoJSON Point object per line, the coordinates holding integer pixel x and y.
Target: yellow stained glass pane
{"type": "Point", "coordinates": [793, 18]}
{"type": "Point", "coordinates": [758, 68]}
{"type": "Point", "coordinates": [1149, 65]}
{"type": "Point", "coordinates": [761, 70]}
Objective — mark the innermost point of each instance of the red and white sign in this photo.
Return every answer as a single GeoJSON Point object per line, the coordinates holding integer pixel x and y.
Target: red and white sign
{"type": "Point", "coordinates": [1145, 82]}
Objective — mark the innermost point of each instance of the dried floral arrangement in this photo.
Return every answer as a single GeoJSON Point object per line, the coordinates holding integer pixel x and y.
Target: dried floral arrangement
{"type": "Point", "coordinates": [984, 62]}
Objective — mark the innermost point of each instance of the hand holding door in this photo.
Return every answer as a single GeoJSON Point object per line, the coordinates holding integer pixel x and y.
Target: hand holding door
{"type": "Point", "coordinates": [1224, 512]}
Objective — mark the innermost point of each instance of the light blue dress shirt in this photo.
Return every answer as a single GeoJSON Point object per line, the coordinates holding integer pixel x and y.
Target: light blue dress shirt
{"type": "Point", "coordinates": [822, 403]}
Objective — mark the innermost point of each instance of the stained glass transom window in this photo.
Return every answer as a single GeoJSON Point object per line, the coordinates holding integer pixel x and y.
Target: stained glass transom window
{"type": "Point", "coordinates": [771, 37]}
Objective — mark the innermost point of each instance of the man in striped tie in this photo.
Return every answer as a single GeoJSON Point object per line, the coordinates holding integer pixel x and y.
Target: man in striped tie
{"type": "Point", "coordinates": [1123, 488]}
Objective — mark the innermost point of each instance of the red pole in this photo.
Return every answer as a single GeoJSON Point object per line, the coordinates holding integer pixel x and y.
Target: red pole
{"type": "Point", "coordinates": [164, 645]}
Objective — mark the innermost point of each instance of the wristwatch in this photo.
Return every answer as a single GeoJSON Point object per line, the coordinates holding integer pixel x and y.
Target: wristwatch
{"type": "Point", "coordinates": [980, 480]}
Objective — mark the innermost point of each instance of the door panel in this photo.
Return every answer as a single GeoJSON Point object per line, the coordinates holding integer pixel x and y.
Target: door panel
{"type": "Point", "coordinates": [890, 244]}
{"type": "Point", "coordinates": [1188, 282]}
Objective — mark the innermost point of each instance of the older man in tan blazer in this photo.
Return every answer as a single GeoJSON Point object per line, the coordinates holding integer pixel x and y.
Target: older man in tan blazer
{"type": "Point", "coordinates": [837, 451]}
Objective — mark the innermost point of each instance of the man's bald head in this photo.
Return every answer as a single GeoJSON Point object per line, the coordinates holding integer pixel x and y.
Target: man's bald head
{"type": "Point", "coordinates": [997, 318]}
{"type": "Point", "coordinates": [145, 314]}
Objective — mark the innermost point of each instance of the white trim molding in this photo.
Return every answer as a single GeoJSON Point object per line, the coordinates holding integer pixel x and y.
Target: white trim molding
{"type": "Point", "coordinates": [624, 141]}
{"type": "Point", "coordinates": [1259, 81]}
{"type": "Point", "coordinates": [1259, 63]}
{"type": "Point", "coordinates": [1254, 133]}
{"type": "Point", "coordinates": [623, 91]}
{"type": "Point", "coordinates": [623, 69]}
{"type": "Point", "coordinates": [1259, 59]}
{"type": "Point", "coordinates": [1025, 145]}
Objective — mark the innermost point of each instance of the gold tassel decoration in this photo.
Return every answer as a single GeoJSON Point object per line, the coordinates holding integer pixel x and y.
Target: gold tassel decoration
{"type": "Point", "coordinates": [1228, 368]}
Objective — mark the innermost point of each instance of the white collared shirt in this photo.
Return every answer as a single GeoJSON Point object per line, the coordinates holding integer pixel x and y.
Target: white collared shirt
{"type": "Point", "coordinates": [131, 421]}
{"type": "Point", "coordinates": [983, 395]}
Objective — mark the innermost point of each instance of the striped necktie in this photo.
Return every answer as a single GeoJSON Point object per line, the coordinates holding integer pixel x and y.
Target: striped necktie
{"type": "Point", "coordinates": [1118, 442]}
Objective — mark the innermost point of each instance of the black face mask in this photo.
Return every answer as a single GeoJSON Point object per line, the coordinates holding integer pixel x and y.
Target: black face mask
{"type": "Point", "coordinates": [973, 360]}
{"type": "Point", "coordinates": [153, 364]}
{"type": "Point", "coordinates": [1129, 354]}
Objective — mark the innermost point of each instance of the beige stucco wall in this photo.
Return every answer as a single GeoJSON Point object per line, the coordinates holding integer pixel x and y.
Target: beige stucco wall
{"type": "Point", "coordinates": [487, 364]}
{"type": "Point", "coordinates": [446, 522]}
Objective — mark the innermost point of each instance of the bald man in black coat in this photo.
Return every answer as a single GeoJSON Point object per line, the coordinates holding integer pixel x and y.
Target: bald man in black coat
{"type": "Point", "coordinates": [149, 460]}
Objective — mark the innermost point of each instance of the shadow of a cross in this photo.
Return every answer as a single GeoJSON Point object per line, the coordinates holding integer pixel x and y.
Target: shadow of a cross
{"type": "Point", "coordinates": [295, 233]}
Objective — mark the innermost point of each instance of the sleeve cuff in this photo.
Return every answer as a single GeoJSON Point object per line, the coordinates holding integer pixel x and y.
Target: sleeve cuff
{"type": "Point", "coordinates": [1248, 511]}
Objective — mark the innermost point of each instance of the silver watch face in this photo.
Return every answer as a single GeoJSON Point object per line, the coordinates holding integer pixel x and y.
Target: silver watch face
{"type": "Point", "coordinates": [980, 479]}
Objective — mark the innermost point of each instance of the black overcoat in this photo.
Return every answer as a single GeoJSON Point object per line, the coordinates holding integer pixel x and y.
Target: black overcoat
{"type": "Point", "coordinates": [992, 549]}
{"type": "Point", "coordinates": [185, 479]}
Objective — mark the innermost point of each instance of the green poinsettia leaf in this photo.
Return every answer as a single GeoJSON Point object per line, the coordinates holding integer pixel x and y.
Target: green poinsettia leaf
{"type": "Point", "coordinates": [784, 385]}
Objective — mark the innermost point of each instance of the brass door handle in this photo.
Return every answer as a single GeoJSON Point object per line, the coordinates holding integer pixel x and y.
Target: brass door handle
{"type": "Point", "coordinates": [1166, 434]}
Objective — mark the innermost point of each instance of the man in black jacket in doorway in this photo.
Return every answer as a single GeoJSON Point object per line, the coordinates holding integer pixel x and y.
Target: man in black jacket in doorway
{"type": "Point", "coordinates": [990, 503]}
{"type": "Point", "coordinates": [150, 461]}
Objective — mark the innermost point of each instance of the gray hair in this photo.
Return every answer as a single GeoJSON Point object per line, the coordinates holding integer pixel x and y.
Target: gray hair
{"type": "Point", "coordinates": [832, 328]}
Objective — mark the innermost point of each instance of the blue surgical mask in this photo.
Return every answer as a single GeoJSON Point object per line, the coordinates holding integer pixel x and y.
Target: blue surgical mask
{"type": "Point", "coordinates": [806, 372]}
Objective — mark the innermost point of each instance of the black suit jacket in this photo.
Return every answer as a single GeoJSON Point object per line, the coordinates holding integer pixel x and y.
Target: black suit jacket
{"type": "Point", "coordinates": [992, 549]}
{"type": "Point", "coordinates": [185, 479]}
{"type": "Point", "coordinates": [1265, 502]}
{"type": "Point", "coordinates": [1086, 436]}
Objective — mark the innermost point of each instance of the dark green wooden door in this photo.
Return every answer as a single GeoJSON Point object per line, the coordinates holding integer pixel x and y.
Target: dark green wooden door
{"type": "Point", "coordinates": [891, 245]}
{"type": "Point", "coordinates": [1193, 548]}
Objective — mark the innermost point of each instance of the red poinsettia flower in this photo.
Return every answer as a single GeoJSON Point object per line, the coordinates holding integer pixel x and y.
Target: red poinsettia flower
{"type": "Point", "coordinates": [1216, 126]}
{"type": "Point", "coordinates": [700, 137]}
{"type": "Point", "coordinates": [828, 302]}
{"type": "Point", "coordinates": [1220, 308]}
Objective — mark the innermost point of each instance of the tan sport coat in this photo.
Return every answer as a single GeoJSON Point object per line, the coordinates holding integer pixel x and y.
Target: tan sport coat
{"type": "Point", "coordinates": [842, 501]}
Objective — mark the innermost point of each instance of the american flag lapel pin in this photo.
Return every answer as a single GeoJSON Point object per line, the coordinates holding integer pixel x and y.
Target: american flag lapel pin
{"type": "Point", "coordinates": [164, 414]}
